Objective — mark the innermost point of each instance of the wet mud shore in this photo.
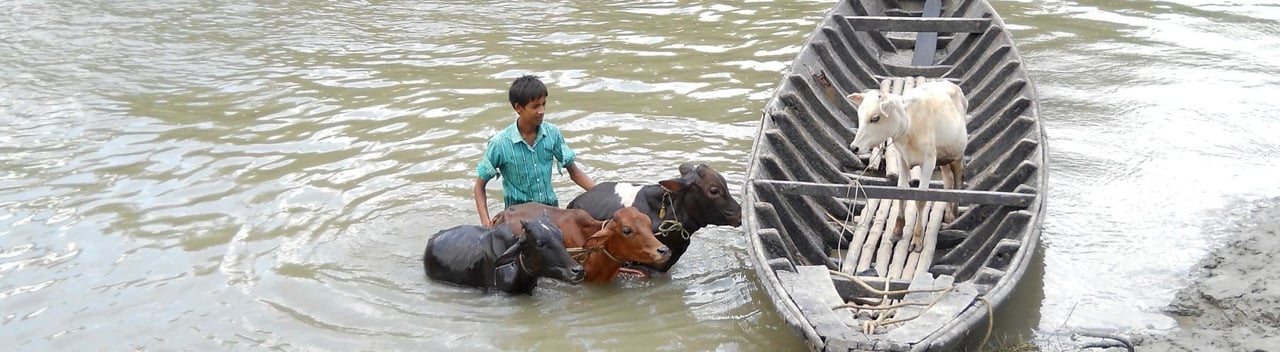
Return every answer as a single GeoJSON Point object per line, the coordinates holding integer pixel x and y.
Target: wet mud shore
{"type": "Point", "coordinates": [1234, 302]}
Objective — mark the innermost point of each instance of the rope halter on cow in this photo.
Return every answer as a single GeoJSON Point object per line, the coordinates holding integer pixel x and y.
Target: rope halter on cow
{"type": "Point", "coordinates": [581, 254]}
{"type": "Point", "coordinates": [523, 267]}
{"type": "Point", "coordinates": [673, 225]}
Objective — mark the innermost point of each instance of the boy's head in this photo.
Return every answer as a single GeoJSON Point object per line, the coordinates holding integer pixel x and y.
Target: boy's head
{"type": "Point", "coordinates": [525, 90]}
{"type": "Point", "coordinates": [529, 98]}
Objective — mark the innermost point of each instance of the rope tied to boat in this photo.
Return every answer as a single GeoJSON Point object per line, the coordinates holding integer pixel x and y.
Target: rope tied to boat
{"type": "Point", "coordinates": [887, 309]}
{"type": "Point", "coordinates": [673, 225]}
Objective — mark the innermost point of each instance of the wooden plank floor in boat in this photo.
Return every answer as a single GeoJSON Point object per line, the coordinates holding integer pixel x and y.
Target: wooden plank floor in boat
{"type": "Point", "coordinates": [873, 245]}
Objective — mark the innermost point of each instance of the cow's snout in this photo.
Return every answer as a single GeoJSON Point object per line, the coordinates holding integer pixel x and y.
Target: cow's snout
{"type": "Point", "coordinates": [853, 148]}
{"type": "Point", "coordinates": [664, 254]}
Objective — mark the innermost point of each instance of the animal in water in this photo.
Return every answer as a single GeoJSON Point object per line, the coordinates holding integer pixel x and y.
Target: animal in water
{"type": "Point", "coordinates": [927, 127]}
{"type": "Point", "coordinates": [676, 207]}
{"type": "Point", "coordinates": [601, 246]}
{"type": "Point", "coordinates": [497, 259]}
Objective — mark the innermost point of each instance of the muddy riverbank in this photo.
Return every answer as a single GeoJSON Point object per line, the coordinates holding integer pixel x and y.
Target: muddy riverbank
{"type": "Point", "coordinates": [1234, 302]}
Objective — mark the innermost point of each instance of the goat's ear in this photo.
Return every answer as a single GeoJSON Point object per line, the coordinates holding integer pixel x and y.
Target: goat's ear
{"type": "Point", "coordinates": [888, 104]}
{"type": "Point", "coordinates": [675, 184]}
{"type": "Point", "coordinates": [856, 98]}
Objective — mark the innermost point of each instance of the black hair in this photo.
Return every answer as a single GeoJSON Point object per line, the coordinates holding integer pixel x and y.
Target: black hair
{"type": "Point", "coordinates": [526, 89]}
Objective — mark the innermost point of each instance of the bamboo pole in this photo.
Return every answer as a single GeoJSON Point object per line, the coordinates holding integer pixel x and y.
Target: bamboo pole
{"type": "Point", "coordinates": [886, 238]}
{"type": "Point", "coordinates": [850, 263]}
{"type": "Point", "coordinates": [901, 249]}
{"type": "Point", "coordinates": [931, 236]}
{"type": "Point", "coordinates": [873, 235]}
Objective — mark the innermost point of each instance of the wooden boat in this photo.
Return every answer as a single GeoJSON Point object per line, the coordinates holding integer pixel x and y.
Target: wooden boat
{"type": "Point", "coordinates": [821, 220]}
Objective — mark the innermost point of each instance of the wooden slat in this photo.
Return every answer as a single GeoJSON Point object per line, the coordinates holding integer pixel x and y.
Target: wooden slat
{"type": "Point", "coordinates": [814, 294]}
{"type": "Point", "coordinates": [884, 253]}
{"type": "Point", "coordinates": [873, 236]}
{"type": "Point", "coordinates": [927, 42]}
{"type": "Point", "coordinates": [898, 258]}
{"type": "Point", "coordinates": [920, 262]}
{"type": "Point", "coordinates": [945, 195]}
{"type": "Point", "coordinates": [912, 24]}
{"type": "Point", "coordinates": [877, 156]}
{"type": "Point", "coordinates": [850, 263]}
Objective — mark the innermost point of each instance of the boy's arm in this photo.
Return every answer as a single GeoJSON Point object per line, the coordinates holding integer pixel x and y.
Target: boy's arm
{"type": "Point", "coordinates": [579, 177]}
{"type": "Point", "coordinates": [482, 202]}
{"type": "Point", "coordinates": [486, 170]}
{"type": "Point", "coordinates": [566, 157]}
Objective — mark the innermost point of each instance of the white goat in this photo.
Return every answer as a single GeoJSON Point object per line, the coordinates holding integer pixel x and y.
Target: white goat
{"type": "Point", "coordinates": [927, 126]}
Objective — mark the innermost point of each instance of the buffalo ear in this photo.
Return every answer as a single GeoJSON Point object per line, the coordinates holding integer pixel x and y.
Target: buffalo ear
{"type": "Point", "coordinates": [503, 241]}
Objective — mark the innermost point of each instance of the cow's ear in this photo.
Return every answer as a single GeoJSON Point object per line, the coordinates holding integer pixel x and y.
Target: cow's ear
{"type": "Point", "coordinates": [856, 98]}
{"type": "Point", "coordinates": [685, 169]}
{"type": "Point", "coordinates": [675, 184]}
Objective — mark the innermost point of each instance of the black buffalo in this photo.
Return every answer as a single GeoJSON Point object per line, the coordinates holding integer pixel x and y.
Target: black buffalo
{"type": "Point", "coordinates": [496, 259]}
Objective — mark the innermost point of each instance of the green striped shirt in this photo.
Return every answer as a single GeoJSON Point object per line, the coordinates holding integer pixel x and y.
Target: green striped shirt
{"type": "Point", "coordinates": [525, 169]}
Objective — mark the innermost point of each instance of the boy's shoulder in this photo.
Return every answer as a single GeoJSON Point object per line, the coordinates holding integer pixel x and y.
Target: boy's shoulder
{"type": "Point", "coordinates": [550, 127]}
{"type": "Point", "coordinates": [509, 133]}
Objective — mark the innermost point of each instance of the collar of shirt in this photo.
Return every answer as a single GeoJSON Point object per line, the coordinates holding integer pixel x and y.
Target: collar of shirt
{"type": "Point", "coordinates": [513, 133]}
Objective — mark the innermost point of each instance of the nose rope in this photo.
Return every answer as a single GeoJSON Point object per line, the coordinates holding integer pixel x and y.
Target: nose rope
{"type": "Point", "coordinates": [525, 268]}
{"type": "Point", "coordinates": [581, 254]}
{"type": "Point", "coordinates": [673, 225]}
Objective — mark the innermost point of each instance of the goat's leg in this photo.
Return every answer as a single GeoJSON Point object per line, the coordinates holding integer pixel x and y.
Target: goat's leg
{"type": "Point", "coordinates": [957, 182]}
{"type": "Point", "coordinates": [917, 233]}
{"type": "Point", "coordinates": [904, 181]}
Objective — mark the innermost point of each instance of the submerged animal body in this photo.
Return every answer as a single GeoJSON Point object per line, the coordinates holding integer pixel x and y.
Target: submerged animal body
{"type": "Point", "coordinates": [676, 207]}
{"type": "Point", "coordinates": [497, 259]}
{"type": "Point", "coordinates": [602, 246]}
{"type": "Point", "coordinates": [927, 127]}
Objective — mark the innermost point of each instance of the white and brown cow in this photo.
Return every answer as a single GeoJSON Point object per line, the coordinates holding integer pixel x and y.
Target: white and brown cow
{"type": "Point", "coordinates": [677, 207]}
{"type": "Point", "coordinates": [927, 127]}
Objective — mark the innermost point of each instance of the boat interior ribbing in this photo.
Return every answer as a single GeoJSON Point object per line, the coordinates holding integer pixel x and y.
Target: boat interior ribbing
{"type": "Point", "coordinates": [824, 222]}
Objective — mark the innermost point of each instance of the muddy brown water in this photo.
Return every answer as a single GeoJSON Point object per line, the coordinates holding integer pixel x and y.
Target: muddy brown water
{"type": "Point", "coordinates": [209, 176]}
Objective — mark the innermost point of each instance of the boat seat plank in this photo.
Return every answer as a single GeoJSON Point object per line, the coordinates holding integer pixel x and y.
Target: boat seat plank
{"type": "Point", "coordinates": [927, 41]}
{"type": "Point", "coordinates": [1014, 199]}
{"type": "Point", "coordinates": [934, 318]}
{"type": "Point", "coordinates": [813, 292]}
{"type": "Point", "coordinates": [915, 24]}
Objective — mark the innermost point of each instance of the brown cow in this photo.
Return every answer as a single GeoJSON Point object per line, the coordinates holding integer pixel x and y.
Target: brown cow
{"type": "Point", "coordinates": [601, 246]}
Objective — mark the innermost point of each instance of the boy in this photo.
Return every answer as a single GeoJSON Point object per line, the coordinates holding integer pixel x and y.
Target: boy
{"type": "Point", "coordinates": [522, 153]}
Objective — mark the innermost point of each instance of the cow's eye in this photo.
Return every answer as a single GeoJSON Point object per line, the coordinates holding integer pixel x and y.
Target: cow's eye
{"type": "Point", "coordinates": [875, 118]}
{"type": "Point", "coordinates": [715, 191]}
{"type": "Point", "coordinates": [626, 231]}
{"type": "Point", "coordinates": [542, 244]}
